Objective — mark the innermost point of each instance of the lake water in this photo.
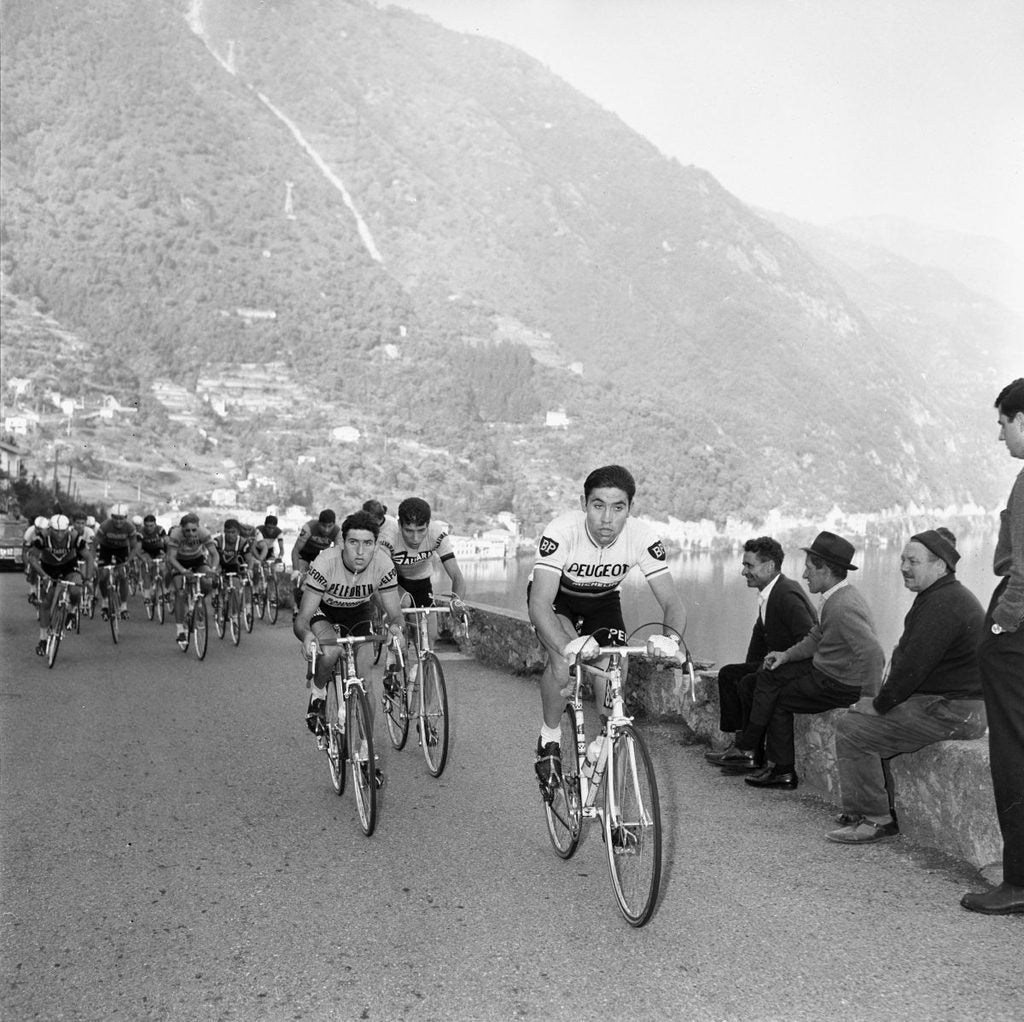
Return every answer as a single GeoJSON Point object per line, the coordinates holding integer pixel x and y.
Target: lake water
{"type": "Point", "coordinates": [720, 608]}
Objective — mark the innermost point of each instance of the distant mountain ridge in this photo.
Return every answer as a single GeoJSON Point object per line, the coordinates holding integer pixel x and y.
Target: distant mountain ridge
{"type": "Point", "coordinates": [155, 182]}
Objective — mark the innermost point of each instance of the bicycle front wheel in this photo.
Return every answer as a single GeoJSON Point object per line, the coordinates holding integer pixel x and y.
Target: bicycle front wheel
{"type": "Point", "coordinates": [272, 600]}
{"type": "Point", "coordinates": [359, 737]}
{"type": "Point", "coordinates": [57, 621]}
{"type": "Point", "coordinates": [114, 613]}
{"type": "Point", "coordinates": [396, 714]}
{"type": "Point", "coordinates": [248, 614]}
{"type": "Point", "coordinates": [335, 738]}
{"type": "Point", "coordinates": [200, 635]}
{"type": "Point", "coordinates": [434, 720]}
{"type": "Point", "coordinates": [563, 813]}
{"type": "Point", "coordinates": [632, 826]}
{"type": "Point", "coordinates": [234, 617]}
{"type": "Point", "coordinates": [159, 601]}
{"type": "Point", "coordinates": [219, 610]}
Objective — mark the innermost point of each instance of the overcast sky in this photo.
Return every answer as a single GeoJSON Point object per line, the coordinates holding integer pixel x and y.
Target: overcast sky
{"type": "Point", "coordinates": [821, 109]}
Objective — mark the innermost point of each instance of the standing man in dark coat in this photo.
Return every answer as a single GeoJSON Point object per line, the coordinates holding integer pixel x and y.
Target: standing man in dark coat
{"type": "Point", "coordinates": [784, 616]}
{"type": "Point", "coordinates": [1001, 660]}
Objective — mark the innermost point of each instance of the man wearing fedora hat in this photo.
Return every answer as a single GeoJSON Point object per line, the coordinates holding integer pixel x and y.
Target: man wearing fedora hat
{"type": "Point", "coordinates": [932, 692]}
{"type": "Point", "coordinates": [1001, 660]}
{"type": "Point", "coordinates": [828, 668]}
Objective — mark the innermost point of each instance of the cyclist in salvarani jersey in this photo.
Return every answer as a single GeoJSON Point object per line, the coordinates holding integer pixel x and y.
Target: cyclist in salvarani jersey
{"type": "Point", "coordinates": [339, 586]}
{"type": "Point", "coordinates": [582, 558]}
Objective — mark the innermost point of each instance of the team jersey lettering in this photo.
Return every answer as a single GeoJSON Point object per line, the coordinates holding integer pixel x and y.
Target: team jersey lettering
{"type": "Point", "coordinates": [587, 569]}
{"type": "Point", "coordinates": [340, 587]}
{"type": "Point", "coordinates": [416, 563]}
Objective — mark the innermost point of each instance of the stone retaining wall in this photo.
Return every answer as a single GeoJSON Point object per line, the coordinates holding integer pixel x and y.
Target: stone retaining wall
{"type": "Point", "coordinates": [943, 793]}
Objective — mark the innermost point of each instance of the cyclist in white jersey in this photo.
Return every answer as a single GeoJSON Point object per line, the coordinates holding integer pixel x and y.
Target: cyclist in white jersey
{"type": "Point", "coordinates": [582, 558]}
{"type": "Point", "coordinates": [339, 586]}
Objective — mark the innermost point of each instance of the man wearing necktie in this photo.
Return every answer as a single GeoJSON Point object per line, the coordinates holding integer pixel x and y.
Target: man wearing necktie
{"type": "Point", "coordinates": [784, 616]}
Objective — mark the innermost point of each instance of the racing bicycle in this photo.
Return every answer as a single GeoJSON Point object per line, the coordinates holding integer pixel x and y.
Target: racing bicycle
{"type": "Point", "coordinates": [609, 778]}
{"type": "Point", "coordinates": [346, 731]}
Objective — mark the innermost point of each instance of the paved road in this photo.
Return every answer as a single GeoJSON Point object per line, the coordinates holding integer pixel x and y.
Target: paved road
{"type": "Point", "coordinates": [172, 849]}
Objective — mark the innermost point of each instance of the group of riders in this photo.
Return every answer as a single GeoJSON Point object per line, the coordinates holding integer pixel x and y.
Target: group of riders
{"type": "Point", "coordinates": [77, 548]}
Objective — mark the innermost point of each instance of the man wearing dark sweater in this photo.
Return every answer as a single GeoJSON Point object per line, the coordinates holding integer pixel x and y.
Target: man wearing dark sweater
{"type": "Point", "coordinates": [784, 616]}
{"type": "Point", "coordinates": [932, 692]}
{"type": "Point", "coordinates": [830, 667]}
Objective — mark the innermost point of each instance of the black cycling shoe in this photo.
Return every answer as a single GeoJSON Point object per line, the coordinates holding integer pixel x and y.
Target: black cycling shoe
{"type": "Point", "coordinates": [315, 717]}
{"type": "Point", "coordinates": [41, 647]}
{"type": "Point", "coordinates": [549, 764]}
{"type": "Point", "coordinates": [378, 775]}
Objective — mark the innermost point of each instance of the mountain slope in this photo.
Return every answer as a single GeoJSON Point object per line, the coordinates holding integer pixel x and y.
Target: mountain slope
{"type": "Point", "coordinates": [391, 197]}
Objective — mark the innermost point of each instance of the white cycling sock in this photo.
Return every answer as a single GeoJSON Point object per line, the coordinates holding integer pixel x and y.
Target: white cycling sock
{"type": "Point", "coordinates": [317, 693]}
{"type": "Point", "coordinates": [550, 734]}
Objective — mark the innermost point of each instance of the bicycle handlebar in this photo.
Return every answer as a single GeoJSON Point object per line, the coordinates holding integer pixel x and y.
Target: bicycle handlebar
{"type": "Point", "coordinates": [341, 640]}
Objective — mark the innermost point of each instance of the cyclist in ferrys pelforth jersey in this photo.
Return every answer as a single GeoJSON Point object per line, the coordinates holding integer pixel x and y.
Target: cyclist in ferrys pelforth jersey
{"type": "Point", "coordinates": [582, 558]}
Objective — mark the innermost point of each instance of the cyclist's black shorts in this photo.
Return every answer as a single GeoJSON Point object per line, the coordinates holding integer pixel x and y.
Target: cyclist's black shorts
{"type": "Point", "coordinates": [419, 589]}
{"type": "Point", "coordinates": [107, 555]}
{"type": "Point", "coordinates": [600, 616]}
{"type": "Point", "coordinates": [191, 563]}
{"type": "Point", "coordinates": [57, 571]}
{"type": "Point", "coordinates": [353, 620]}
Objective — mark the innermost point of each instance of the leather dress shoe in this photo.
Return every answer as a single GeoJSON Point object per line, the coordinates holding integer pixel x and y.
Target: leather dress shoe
{"type": "Point", "coordinates": [739, 761]}
{"type": "Point", "coordinates": [716, 757]}
{"type": "Point", "coordinates": [1003, 900]}
{"type": "Point", "coordinates": [767, 778]}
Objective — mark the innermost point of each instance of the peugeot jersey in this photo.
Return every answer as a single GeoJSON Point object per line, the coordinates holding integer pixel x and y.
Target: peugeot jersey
{"type": "Point", "coordinates": [588, 569]}
{"type": "Point", "coordinates": [340, 587]}
{"type": "Point", "coordinates": [416, 563]}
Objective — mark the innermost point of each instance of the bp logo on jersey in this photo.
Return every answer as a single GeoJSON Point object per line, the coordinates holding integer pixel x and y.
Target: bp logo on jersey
{"type": "Point", "coordinates": [657, 551]}
{"type": "Point", "coordinates": [547, 546]}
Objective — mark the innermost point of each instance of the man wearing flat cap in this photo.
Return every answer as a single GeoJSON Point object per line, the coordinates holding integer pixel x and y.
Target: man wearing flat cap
{"type": "Point", "coordinates": [932, 692]}
{"type": "Point", "coordinates": [830, 667]}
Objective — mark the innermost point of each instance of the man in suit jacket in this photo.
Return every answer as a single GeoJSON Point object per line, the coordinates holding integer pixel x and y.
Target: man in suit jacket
{"type": "Point", "coordinates": [838, 660]}
{"type": "Point", "coordinates": [784, 616]}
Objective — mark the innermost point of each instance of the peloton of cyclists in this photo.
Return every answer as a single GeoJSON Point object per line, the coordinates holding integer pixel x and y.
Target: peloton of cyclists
{"type": "Point", "coordinates": [582, 558]}
{"type": "Point", "coordinates": [55, 553]}
{"type": "Point", "coordinates": [115, 540]}
{"type": "Point", "coordinates": [189, 548]}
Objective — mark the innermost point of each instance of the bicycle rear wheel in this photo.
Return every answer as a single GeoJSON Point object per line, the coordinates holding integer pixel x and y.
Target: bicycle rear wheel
{"type": "Point", "coordinates": [563, 813]}
{"type": "Point", "coordinates": [396, 713]}
{"type": "Point", "coordinates": [632, 826]}
{"type": "Point", "coordinates": [272, 600]}
{"type": "Point", "coordinates": [219, 612]}
{"type": "Point", "coordinates": [200, 635]}
{"type": "Point", "coordinates": [234, 616]}
{"type": "Point", "coordinates": [359, 737]}
{"type": "Point", "coordinates": [248, 615]}
{"type": "Point", "coordinates": [434, 730]}
{"type": "Point", "coordinates": [335, 738]}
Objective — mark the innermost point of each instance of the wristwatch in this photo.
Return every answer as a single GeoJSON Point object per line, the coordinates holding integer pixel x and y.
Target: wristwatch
{"type": "Point", "coordinates": [997, 629]}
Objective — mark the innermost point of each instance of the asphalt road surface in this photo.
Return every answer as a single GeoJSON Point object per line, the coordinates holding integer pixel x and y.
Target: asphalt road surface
{"type": "Point", "coordinates": [172, 849]}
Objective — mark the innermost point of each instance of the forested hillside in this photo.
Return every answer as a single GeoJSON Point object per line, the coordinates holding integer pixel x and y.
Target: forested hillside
{"type": "Point", "coordinates": [445, 242]}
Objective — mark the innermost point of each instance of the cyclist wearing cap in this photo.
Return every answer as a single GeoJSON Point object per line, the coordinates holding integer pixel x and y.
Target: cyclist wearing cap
{"type": "Point", "coordinates": [269, 540]}
{"type": "Point", "coordinates": [339, 586]}
{"type": "Point", "coordinates": [115, 540]}
{"type": "Point", "coordinates": [583, 556]}
{"type": "Point", "coordinates": [56, 553]}
{"type": "Point", "coordinates": [189, 548]}
{"type": "Point", "coordinates": [314, 537]}
{"type": "Point", "coordinates": [150, 543]}
{"type": "Point", "coordinates": [36, 530]}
